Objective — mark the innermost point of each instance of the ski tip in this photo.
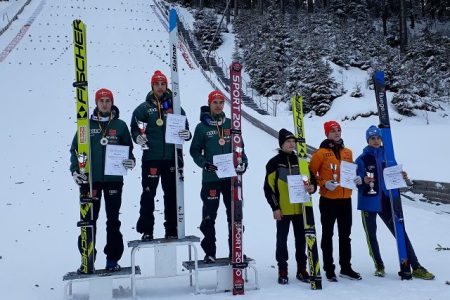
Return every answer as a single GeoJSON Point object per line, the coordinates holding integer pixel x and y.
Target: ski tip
{"type": "Point", "coordinates": [173, 18]}
{"type": "Point", "coordinates": [236, 66]}
{"type": "Point", "coordinates": [379, 76]}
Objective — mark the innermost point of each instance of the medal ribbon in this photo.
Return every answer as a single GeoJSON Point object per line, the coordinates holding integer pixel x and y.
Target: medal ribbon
{"type": "Point", "coordinates": [220, 130]}
{"type": "Point", "coordinates": [100, 126]}
{"type": "Point", "coordinates": [158, 105]}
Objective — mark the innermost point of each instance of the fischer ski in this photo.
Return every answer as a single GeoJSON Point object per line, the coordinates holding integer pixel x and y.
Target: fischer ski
{"type": "Point", "coordinates": [179, 164]}
{"type": "Point", "coordinates": [87, 239]}
{"type": "Point", "coordinates": [394, 195]}
{"type": "Point", "coordinates": [308, 213]}
{"type": "Point", "coordinates": [237, 259]}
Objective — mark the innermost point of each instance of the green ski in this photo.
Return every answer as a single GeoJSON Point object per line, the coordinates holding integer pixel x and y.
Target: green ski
{"type": "Point", "coordinates": [308, 214]}
{"type": "Point", "coordinates": [83, 151]}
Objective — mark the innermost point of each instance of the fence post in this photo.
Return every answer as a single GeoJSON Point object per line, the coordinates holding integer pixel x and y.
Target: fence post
{"type": "Point", "coordinates": [276, 99]}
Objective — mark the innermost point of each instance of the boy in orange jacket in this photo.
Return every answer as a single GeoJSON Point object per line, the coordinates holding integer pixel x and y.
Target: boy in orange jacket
{"type": "Point", "coordinates": [335, 201]}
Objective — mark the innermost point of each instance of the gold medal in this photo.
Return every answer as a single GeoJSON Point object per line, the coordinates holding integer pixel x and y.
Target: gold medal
{"type": "Point", "coordinates": [159, 122]}
{"type": "Point", "coordinates": [221, 142]}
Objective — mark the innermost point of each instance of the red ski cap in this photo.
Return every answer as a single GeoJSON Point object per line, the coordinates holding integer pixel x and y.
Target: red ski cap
{"type": "Point", "coordinates": [158, 76]}
{"type": "Point", "coordinates": [215, 94]}
{"type": "Point", "coordinates": [104, 93]}
{"type": "Point", "coordinates": [330, 125]}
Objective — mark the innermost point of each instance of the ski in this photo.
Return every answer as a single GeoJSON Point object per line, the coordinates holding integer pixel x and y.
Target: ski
{"type": "Point", "coordinates": [394, 195]}
{"type": "Point", "coordinates": [308, 213]}
{"type": "Point", "coordinates": [83, 152]}
{"type": "Point", "coordinates": [179, 164]}
{"type": "Point", "coordinates": [237, 259]}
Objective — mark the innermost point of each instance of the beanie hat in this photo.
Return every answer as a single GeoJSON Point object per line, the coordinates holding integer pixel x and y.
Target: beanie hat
{"type": "Point", "coordinates": [329, 125]}
{"type": "Point", "coordinates": [104, 93]}
{"type": "Point", "coordinates": [215, 94]}
{"type": "Point", "coordinates": [158, 76]}
{"type": "Point", "coordinates": [373, 131]}
{"type": "Point", "coordinates": [284, 135]}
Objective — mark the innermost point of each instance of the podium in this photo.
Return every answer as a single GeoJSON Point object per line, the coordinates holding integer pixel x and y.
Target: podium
{"type": "Point", "coordinates": [224, 272]}
{"type": "Point", "coordinates": [100, 282]}
{"type": "Point", "coordinates": [165, 259]}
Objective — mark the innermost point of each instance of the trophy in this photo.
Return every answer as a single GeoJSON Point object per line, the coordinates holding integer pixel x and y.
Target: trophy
{"type": "Point", "coordinates": [142, 126]}
{"type": "Point", "coordinates": [371, 183]}
{"type": "Point", "coordinates": [305, 180]}
{"type": "Point", "coordinates": [333, 168]}
{"type": "Point", "coordinates": [82, 159]}
{"type": "Point", "coordinates": [238, 151]}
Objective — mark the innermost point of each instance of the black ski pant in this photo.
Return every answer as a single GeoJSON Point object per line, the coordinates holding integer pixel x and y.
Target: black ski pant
{"type": "Point", "coordinates": [332, 211]}
{"type": "Point", "coordinates": [210, 195]}
{"type": "Point", "coordinates": [281, 253]}
{"type": "Point", "coordinates": [112, 192]}
{"type": "Point", "coordinates": [152, 170]}
{"type": "Point", "coordinates": [369, 220]}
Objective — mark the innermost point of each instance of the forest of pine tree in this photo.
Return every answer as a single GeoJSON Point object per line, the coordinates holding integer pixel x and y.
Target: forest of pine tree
{"type": "Point", "coordinates": [287, 46]}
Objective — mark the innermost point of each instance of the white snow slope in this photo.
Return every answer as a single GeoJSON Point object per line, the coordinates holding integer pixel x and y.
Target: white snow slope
{"type": "Point", "coordinates": [127, 43]}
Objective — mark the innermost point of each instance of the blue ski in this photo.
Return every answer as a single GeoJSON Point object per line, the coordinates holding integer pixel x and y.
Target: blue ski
{"type": "Point", "coordinates": [394, 195]}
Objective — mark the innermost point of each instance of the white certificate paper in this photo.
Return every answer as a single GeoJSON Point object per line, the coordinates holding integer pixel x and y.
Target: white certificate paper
{"type": "Point", "coordinates": [174, 124]}
{"type": "Point", "coordinates": [297, 191]}
{"type": "Point", "coordinates": [225, 165]}
{"type": "Point", "coordinates": [393, 177]}
{"type": "Point", "coordinates": [348, 174]}
{"type": "Point", "coordinates": [115, 154]}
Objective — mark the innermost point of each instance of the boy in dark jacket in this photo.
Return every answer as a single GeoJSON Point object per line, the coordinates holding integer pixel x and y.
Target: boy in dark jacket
{"type": "Point", "coordinates": [373, 199]}
{"type": "Point", "coordinates": [106, 128]}
{"type": "Point", "coordinates": [212, 136]}
{"type": "Point", "coordinates": [148, 129]}
{"type": "Point", "coordinates": [279, 167]}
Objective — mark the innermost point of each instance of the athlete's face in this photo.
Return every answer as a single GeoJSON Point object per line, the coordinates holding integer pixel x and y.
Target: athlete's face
{"type": "Point", "coordinates": [159, 88]}
{"type": "Point", "coordinates": [216, 106]}
{"type": "Point", "coordinates": [288, 146]}
{"type": "Point", "coordinates": [104, 104]}
{"type": "Point", "coordinates": [335, 134]}
{"type": "Point", "coordinates": [375, 141]}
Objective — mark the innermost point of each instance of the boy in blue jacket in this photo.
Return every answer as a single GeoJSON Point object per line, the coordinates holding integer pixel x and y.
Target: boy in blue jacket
{"type": "Point", "coordinates": [373, 199]}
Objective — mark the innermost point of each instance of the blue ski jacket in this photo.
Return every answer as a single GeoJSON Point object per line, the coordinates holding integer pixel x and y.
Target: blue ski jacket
{"type": "Point", "coordinates": [372, 160]}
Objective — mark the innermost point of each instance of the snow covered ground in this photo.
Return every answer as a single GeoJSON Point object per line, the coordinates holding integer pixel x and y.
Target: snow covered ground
{"type": "Point", "coordinates": [127, 43]}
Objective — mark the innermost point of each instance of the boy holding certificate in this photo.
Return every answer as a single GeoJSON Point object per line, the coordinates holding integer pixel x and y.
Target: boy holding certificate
{"type": "Point", "coordinates": [148, 129]}
{"type": "Point", "coordinates": [105, 129]}
{"type": "Point", "coordinates": [287, 210]}
{"type": "Point", "coordinates": [373, 200]}
{"type": "Point", "coordinates": [212, 137]}
{"type": "Point", "coordinates": [335, 201]}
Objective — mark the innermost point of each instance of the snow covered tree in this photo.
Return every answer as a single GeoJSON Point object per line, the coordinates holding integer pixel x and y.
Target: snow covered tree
{"type": "Point", "coordinates": [205, 27]}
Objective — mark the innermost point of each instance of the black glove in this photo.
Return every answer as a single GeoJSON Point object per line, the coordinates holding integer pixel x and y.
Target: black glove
{"type": "Point", "coordinates": [209, 167]}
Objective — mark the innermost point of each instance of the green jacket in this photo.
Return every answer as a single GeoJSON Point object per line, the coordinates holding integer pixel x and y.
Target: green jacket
{"type": "Point", "coordinates": [205, 143]}
{"type": "Point", "coordinates": [148, 112]}
{"type": "Point", "coordinates": [276, 186]}
{"type": "Point", "coordinates": [116, 132]}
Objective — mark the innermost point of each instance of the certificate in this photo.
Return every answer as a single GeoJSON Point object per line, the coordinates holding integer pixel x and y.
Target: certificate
{"type": "Point", "coordinates": [348, 174]}
{"type": "Point", "coordinates": [297, 190]}
{"type": "Point", "coordinates": [225, 165]}
{"type": "Point", "coordinates": [174, 124]}
{"type": "Point", "coordinates": [115, 154]}
{"type": "Point", "coordinates": [393, 177]}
